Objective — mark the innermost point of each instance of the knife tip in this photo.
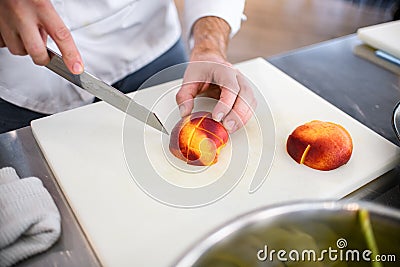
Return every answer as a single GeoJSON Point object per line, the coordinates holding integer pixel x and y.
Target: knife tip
{"type": "Point", "coordinates": [159, 125]}
{"type": "Point", "coordinates": [163, 130]}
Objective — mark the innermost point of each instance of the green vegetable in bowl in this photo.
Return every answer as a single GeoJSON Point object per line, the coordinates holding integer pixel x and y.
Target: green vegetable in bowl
{"type": "Point", "coordinates": [368, 232]}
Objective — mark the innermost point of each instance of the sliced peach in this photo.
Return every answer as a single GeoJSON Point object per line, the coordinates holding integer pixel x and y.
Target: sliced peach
{"type": "Point", "coordinates": [198, 139]}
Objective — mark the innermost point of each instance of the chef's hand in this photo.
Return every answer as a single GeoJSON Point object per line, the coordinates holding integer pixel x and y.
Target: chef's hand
{"type": "Point", "coordinates": [217, 78]}
{"type": "Point", "coordinates": [25, 25]}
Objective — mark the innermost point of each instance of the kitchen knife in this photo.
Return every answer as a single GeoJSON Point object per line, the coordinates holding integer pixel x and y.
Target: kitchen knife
{"type": "Point", "coordinates": [105, 92]}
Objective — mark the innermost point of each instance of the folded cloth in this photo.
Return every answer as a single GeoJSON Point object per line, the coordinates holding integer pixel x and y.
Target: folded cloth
{"type": "Point", "coordinates": [29, 220]}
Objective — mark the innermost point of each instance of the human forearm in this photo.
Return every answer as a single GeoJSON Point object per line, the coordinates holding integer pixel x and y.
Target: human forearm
{"type": "Point", "coordinates": [211, 37]}
{"type": "Point", "coordinates": [215, 76]}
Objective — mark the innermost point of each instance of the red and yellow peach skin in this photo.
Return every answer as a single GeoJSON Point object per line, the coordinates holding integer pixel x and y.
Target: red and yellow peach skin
{"type": "Point", "coordinates": [197, 139]}
{"type": "Point", "coordinates": [320, 145]}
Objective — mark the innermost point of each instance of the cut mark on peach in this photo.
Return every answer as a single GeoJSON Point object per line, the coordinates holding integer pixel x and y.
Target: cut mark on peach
{"type": "Point", "coordinates": [192, 134]}
{"type": "Point", "coordinates": [303, 157]}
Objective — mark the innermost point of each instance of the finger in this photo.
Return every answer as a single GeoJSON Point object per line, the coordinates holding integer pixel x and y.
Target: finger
{"type": "Point", "coordinates": [234, 121]}
{"type": "Point", "coordinates": [61, 35]}
{"type": "Point", "coordinates": [34, 44]}
{"type": "Point", "coordinates": [2, 43]}
{"type": "Point", "coordinates": [243, 108]}
{"type": "Point", "coordinates": [185, 97]}
{"type": "Point", "coordinates": [43, 34]}
{"type": "Point", "coordinates": [237, 116]}
{"type": "Point", "coordinates": [243, 119]}
{"type": "Point", "coordinates": [229, 91]}
{"type": "Point", "coordinates": [247, 117]}
{"type": "Point", "coordinates": [14, 43]}
{"type": "Point", "coordinates": [194, 81]}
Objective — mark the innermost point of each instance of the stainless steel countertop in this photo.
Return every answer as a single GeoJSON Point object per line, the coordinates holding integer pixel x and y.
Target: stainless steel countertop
{"type": "Point", "coordinates": [325, 68]}
{"type": "Point", "coordinates": [19, 149]}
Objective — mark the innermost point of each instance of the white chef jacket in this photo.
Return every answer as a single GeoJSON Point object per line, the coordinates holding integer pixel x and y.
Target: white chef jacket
{"type": "Point", "coordinates": [114, 37]}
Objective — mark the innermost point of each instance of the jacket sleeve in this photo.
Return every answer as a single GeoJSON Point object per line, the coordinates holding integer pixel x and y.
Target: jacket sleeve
{"type": "Point", "coordinates": [229, 10]}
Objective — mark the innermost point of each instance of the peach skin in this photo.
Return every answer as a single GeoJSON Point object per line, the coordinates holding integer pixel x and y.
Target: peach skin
{"type": "Point", "coordinates": [320, 145]}
{"type": "Point", "coordinates": [197, 139]}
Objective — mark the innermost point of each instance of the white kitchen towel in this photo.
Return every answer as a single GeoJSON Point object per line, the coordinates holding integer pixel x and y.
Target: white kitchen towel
{"type": "Point", "coordinates": [30, 222]}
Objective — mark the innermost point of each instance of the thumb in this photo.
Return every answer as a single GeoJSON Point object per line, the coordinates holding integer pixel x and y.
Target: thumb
{"type": "Point", "coordinates": [185, 97]}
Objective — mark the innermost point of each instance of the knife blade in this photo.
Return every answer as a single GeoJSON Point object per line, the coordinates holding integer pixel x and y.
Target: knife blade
{"type": "Point", "coordinates": [105, 92]}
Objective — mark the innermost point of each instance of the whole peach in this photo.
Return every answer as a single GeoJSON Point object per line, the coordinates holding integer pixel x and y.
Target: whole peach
{"type": "Point", "coordinates": [320, 145]}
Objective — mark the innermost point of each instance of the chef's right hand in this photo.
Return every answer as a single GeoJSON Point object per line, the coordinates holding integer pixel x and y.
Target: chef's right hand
{"type": "Point", "coordinates": [25, 25]}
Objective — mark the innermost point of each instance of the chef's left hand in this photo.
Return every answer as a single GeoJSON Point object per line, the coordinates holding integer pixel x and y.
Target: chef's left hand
{"type": "Point", "coordinates": [216, 77]}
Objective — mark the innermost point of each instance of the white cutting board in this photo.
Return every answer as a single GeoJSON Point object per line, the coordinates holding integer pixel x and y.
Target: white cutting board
{"type": "Point", "coordinates": [128, 228]}
{"type": "Point", "coordinates": [385, 36]}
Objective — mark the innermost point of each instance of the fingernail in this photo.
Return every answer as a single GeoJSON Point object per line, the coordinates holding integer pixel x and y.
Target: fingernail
{"type": "Point", "coordinates": [219, 116]}
{"type": "Point", "coordinates": [230, 125]}
{"type": "Point", "coordinates": [77, 68]}
{"type": "Point", "coordinates": [182, 110]}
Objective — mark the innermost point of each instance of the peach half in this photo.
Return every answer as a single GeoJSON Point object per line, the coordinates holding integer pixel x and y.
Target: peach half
{"type": "Point", "coordinates": [320, 145]}
{"type": "Point", "coordinates": [197, 139]}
